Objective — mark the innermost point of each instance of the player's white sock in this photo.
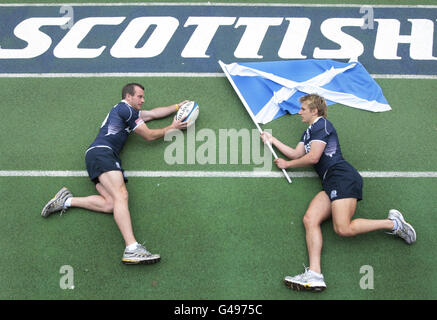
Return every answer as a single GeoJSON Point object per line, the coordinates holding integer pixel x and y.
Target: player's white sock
{"type": "Point", "coordinates": [316, 273]}
{"type": "Point", "coordinates": [67, 203]}
{"type": "Point", "coordinates": [132, 246]}
{"type": "Point", "coordinates": [395, 225]}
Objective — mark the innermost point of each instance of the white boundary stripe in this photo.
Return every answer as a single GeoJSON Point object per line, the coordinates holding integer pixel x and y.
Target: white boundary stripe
{"type": "Point", "coordinates": [404, 76]}
{"type": "Point", "coordinates": [179, 74]}
{"type": "Point", "coordinates": [215, 174]}
{"type": "Point", "coordinates": [216, 4]}
{"type": "Point", "coordinates": [112, 74]}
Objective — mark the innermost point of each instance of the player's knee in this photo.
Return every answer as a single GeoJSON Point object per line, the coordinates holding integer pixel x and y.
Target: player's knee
{"type": "Point", "coordinates": [109, 206]}
{"type": "Point", "coordinates": [123, 195]}
{"type": "Point", "coordinates": [309, 221]}
{"type": "Point", "coordinates": [344, 231]}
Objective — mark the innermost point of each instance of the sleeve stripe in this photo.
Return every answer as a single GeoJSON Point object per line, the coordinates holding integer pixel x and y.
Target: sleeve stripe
{"type": "Point", "coordinates": [318, 140]}
{"type": "Point", "coordinates": [138, 122]}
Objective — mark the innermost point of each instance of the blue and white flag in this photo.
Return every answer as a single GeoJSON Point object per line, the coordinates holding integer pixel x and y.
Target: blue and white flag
{"type": "Point", "coordinates": [271, 89]}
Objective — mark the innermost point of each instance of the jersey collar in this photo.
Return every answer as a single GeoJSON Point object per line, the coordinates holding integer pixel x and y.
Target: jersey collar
{"type": "Point", "coordinates": [317, 119]}
{"type": "Point", "coordinates": [124, 101]}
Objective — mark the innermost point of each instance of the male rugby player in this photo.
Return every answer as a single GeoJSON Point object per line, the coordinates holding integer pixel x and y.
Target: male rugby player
{"type": "Point", "coordinates": [342, 188]}
{"type": "Point", "coordinates": [103, 164]}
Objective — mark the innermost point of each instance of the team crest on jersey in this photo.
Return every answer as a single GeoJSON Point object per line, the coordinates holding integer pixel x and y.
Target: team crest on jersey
{"type": "Point", "coordinates": [333, 194]}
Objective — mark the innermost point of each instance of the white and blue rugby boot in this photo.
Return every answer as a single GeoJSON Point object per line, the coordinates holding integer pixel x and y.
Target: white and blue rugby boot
{"type": "Point", "coordinates": [57, 203]}
{"type": "Point", "coordinates": [307, 281]}
{"type": "Point", "coordinates": [404, 230]}
{"type": "Point", "coordinates": [139, 255]}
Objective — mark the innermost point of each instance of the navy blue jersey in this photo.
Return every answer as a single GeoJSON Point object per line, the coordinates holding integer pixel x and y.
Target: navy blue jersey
{"type": "Point", "coordinates": [118, 124]}
{"type": "Point", "coordinates": [323, 130]}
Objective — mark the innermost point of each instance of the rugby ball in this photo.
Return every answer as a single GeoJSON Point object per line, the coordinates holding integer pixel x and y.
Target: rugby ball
{"type": "Point", "coordinates": [190, 110]}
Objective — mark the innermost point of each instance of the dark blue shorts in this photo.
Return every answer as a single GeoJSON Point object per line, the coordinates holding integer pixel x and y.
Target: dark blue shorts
{"type": "Point", "coordinates": [343, 181]}
{"type": "Point", "coordinates": [99, 160]}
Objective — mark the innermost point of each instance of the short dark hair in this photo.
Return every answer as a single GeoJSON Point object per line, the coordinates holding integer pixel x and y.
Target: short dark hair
{"type": "Point", "coordinates": [130, 88]}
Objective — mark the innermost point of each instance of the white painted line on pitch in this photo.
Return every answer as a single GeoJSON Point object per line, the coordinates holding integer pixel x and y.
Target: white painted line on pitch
{"type": "Point", "coordinates": [214, 174]}
{"type": "Point", "coordinates": [179, 75]}
{"type": "Point", "coordinates": [37, 173]}
{"type": "Point", "coordinates": [113, 74]}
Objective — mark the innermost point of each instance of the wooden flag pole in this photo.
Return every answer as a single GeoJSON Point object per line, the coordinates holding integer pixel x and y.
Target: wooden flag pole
{"type": "Point", "coordinates": [223, 66]}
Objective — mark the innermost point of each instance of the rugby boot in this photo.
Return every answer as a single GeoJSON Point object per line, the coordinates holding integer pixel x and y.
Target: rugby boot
{"type": "Point", "coordinates": [57, 203]}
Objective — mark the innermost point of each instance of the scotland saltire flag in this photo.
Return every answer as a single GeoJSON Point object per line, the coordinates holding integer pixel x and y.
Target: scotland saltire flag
{"type": "Point", "coordinates": [271, 89]}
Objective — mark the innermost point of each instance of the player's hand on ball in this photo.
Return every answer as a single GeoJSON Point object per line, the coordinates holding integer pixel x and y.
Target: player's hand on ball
{"type": "Point", "coordinates": [179, 124]}
{"type": "Point", "coordinates": [182, 103]}
{"type": "Point", "coordinates": [188, 113]}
